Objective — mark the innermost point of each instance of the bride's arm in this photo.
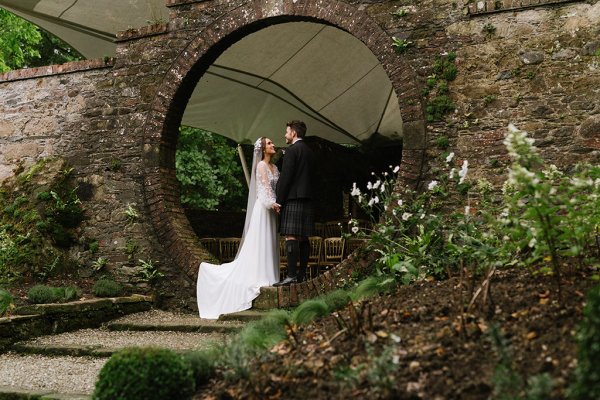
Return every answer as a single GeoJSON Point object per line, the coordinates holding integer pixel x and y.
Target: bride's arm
{"type": "Point", "coordinates": [263, 187]}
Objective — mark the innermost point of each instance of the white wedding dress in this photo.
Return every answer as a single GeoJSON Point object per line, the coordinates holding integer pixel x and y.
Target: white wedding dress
{"type": "Point", "coordinates": [231, 287]}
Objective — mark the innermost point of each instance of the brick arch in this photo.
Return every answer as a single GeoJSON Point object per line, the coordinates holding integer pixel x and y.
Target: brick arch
{"type": "Point", "coordinates": [160, 135]}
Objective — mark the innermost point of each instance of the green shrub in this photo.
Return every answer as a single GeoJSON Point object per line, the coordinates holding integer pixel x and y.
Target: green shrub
{"type": "Point", "coordinates": [438, 106]}
{"type": "Point", "coordinates": [587, 374]}
{"type": "Point", "coordinates": [42, 294]}
{"type": "Point", "coordinates": [203, 364]}
{"type": "Point", "coordinates": [107, 288]}
{"type": "Point", "coordinates": [442, 142]}
{"type": "Point", "coordinates": [145, 374]}
{"type": "Point", "coordinates": [337, 299]}
{"type": "Point", "coordinates": [310, 310]}
{"type": "Point", "coordinates": [69, 293]}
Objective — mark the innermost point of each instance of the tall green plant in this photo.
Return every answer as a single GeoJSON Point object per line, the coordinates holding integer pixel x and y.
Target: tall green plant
{"type": "Point", "coordinates": [587, 375]}
{"type": "Point", "coordinates": [6, 301]}
{"type": "Point", "coordinates": [548, 215]}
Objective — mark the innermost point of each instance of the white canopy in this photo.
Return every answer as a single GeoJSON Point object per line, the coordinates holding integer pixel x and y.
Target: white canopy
{"type": "Point", "coordinates": [295, 70]}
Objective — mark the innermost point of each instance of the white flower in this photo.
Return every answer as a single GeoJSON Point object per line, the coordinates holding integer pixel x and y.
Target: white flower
{"type": "Point", "coordinates": [450, 157]}
{"type": "Point", "coordinates": [396, 169]}
{"type": "Point", "coordinates": [371, 202]}
{"type": "Point", "coordinates": [382, 189]}
{"type": "Point", "coordinates": [376, 199]}
{"type": "Point", "coordinates": [385, 174]}
{"type": "Point", "coordinates": [400, 202]}
{"type": "Point", "coordinates": [376, 184]}
{"type": "Point", "coordinates": [422, 216]}
{"type": "Point", "coordinates": [432, 185]}
{"type": "Point", "coordinates": [518, 144]}
{"type": "Point", "coordinates": [452, 173]}
{"type": "Point", "coordinates": [369, 185]}
{"type": "Point", "coordinates": [406, 216]}
{"type": "Point", "coordinates": [355, 229]}
{"type": "Point", "coordinates": [532, 242]}
{"type": "Point", "coordinates": [467, 210]}
{"type": "Point", "coordinates": [463, 171]}
{"type": "Point", "coordinates": [395, 212]}
{"type": "Point", "coordinates": [355, 191]}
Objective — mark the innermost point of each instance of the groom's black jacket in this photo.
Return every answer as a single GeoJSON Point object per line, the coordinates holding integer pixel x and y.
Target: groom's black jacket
{"type": "Point", "coordinates": [297, 173]}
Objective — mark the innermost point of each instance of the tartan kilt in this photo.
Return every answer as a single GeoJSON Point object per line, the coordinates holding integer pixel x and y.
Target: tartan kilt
{"type": "Point", "coordinates": [297, 218]}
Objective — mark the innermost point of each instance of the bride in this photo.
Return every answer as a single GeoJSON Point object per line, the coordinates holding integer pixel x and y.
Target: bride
{"type": "Point", "coordinates": [231, 287]}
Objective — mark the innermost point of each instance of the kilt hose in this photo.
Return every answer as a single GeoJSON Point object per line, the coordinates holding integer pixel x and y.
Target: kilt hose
{"type": "Point", "coordinates": [297, 218]}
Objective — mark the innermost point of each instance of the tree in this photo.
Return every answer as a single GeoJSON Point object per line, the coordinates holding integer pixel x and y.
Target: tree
{"type": "Point", "coordinates": [209, 171]}
{"type": "Point", "coordinates": [18, 41]}
{"type": "Point", "coordinates": [23, 44]}
{"type": "Point", "coordinates": [54, 51]}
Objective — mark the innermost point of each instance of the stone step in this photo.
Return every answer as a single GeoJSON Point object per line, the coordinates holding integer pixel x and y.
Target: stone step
{"type": "Point", "coordinates": [103, 342]}
{"type": "Point", "coordinates": [43, 319]}
{"type": "Point", "coordinates": [157, 320]}
{"type": "Point", "coordinates": [11, 393]}
{"type": "Point", "coordinates": [245, 316]}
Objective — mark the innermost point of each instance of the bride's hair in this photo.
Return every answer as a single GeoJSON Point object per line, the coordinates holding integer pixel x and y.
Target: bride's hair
{"type": "Point", "coordinates": [263, 147]}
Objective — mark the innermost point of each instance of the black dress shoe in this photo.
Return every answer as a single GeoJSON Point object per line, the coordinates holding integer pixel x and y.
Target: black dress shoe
{"type": "Point", "coordinates": [287, 281]}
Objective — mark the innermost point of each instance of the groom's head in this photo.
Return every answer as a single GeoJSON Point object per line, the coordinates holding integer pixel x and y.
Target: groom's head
{"type": "Point", "coordinates": [294, 129]}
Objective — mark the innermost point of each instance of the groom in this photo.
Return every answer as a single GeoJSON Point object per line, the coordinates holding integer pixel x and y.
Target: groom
{"type": "Point", "coordinates": [294, 194]}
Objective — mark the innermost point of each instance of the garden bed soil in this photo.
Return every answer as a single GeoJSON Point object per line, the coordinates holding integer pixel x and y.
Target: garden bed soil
{"type": "Point", "coordinates": [437, 351]}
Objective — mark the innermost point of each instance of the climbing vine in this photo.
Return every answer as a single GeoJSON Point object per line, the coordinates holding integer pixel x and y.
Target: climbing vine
{"type": "Point", "coordinates": [443, 71]}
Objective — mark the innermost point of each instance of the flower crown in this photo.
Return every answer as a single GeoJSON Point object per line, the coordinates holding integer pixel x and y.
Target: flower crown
{"type": "Point", "coordinates": [258, 144]}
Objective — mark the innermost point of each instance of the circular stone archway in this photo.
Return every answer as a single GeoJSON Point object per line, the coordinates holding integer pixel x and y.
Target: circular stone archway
{"type": "Point", "coordinates": [161, 129]}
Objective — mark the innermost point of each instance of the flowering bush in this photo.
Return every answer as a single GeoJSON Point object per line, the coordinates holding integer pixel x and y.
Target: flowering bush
{"type": "Point", "coordinates": [547, 215]}
{"type": "Point", "coordinates": [543, 216]}
{"type": "Point", "coordinates": [408, 228]}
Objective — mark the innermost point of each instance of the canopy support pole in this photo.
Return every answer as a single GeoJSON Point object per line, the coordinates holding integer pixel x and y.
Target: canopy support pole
{"type": "Point", "coordinates": [244, 165]}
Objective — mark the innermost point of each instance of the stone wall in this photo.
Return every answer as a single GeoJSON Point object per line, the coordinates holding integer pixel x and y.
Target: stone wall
{"type": "Point", "coordinates": [535, 65]}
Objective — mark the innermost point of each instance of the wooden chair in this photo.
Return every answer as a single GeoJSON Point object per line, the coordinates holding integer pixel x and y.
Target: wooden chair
{"type": "Point", "coordinates": [314, 259]}
{"type": "Point", "coordinates": [282, 259]}
{"type": "Point", "coordinates": [320, 229]}
{"type": "Point", "coordinates": [334, 251]}
{"type": "Point", "coordinates": [353, 244]}
{"type": "Point", "coordinates": [229, 248]}
{"type": "Point", "coordinates": [333, 229]}
{"type": "Point", "coordinates": [212, 246]}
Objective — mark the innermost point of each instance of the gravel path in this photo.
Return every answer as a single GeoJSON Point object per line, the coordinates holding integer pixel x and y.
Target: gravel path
{"type": "Point", "coordinates": [60, 374]}
{"type": "Point", "coordinates": [115, 339]}
{"type": "Point", "coordinates": [77, 375]}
